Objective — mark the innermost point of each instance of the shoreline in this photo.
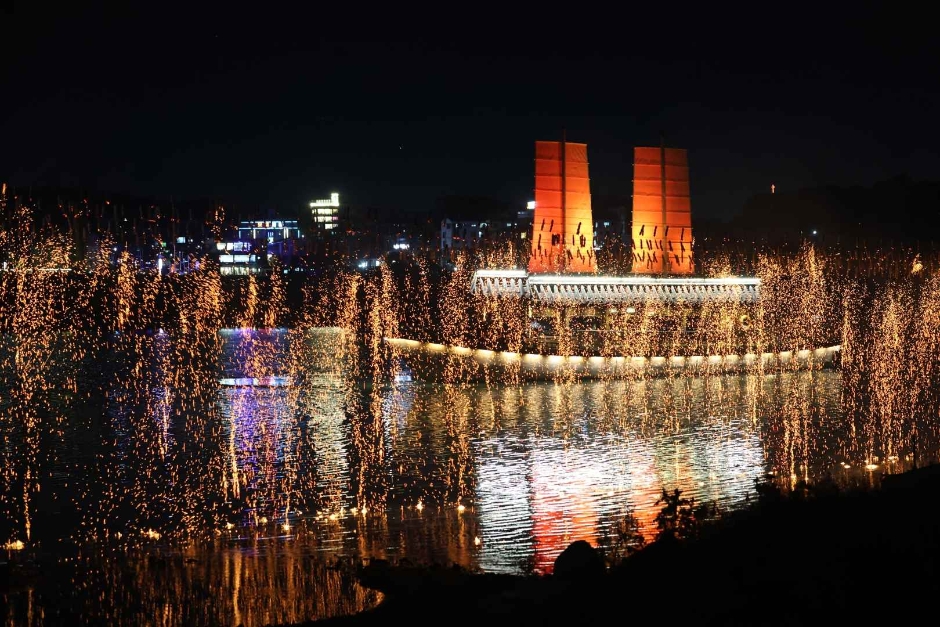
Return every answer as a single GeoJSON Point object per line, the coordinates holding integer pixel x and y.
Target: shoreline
{"type": "Point", "coordinates": [815, 554]}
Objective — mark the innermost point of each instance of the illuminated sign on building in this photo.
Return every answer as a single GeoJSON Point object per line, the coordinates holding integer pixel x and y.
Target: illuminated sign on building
{"type": "Point", "coordinates": [332, 201]}
{"type": "Point", "coordinates": [269, 230]}
{"type": "Point", "coordinates": [326, 212]}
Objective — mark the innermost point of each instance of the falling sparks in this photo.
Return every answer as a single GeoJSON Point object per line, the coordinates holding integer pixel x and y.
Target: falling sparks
{"type": "Point", "coordinates": [113, 406]}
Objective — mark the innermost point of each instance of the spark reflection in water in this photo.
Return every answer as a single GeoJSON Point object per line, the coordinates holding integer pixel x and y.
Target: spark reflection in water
{"type": "Point", "coordinates": [121, 435]}
{"type": "Point", "coordinates": [240, 582]}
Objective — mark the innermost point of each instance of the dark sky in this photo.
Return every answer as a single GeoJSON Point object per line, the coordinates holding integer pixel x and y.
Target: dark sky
{"type": "Point", "coordinates": [271, 108]}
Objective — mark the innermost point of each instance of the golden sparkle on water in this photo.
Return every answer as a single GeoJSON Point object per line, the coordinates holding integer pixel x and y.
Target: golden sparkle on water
{"type": "Point", "coordinates": [112, 406]}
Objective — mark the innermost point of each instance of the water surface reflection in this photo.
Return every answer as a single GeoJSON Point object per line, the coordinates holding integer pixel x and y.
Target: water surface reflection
{"type": "Point", "coordinates": [244, 582]}
{"type": "Point", "coordinates": [266, 485]}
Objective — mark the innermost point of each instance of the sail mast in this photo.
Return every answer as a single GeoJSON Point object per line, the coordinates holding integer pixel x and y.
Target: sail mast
{"type": "Point", "coordinates": [662, 176]}
{"type": "Point", "coordinates": [564, 218]}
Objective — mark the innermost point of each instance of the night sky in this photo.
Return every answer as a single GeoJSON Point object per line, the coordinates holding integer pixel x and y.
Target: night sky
{"type": "Point", "coordinates": [271, 110]}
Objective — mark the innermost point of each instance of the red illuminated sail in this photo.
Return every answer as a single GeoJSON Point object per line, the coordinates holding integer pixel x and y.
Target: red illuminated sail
{"type": "Point", "coordinates": [662, 212]}
{"type": "Point", "coordinates": [563, 227]}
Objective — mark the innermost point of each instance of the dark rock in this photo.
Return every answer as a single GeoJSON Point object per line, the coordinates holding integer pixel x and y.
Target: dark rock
{"type": "Point", "coordinates": [579, 561]}
{"type": "Point", "coordinates": [916, 479]}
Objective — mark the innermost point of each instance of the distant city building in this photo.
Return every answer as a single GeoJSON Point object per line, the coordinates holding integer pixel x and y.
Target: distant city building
{"type": "Point", "coordinates": [496, 232]}
{"type": "Point", "coordinates": [524, 220]}
{"type": "Point", "coordinates": [368, 263]}
{"type": "Point", "coordinates": [402, 242]}
{"type": "Point", "coordinates": [603, 229]}
{"type": "Point", "coordinates": [269, 230]}
{"type": "Point", "coordinates": [325, 213]}
{"type": "Point", "coordinates": [281, 237]}
{"type": "Point", "coordinates": [258, 241]}
{"type": "Point", "coordinates": [462, 235]}
{"type": "Point", "coordinates": [236, 257]}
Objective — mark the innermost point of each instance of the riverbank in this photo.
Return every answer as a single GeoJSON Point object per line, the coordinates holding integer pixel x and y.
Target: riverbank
{"type": "Point", "coordinates": [816, 556]}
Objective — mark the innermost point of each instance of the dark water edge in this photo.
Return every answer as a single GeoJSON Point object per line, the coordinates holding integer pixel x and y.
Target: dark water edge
{"type": "Point", "coordinates": [817, 556]}
{"type": "Point", "coordinates": [232, 583]}
{"type": "Point", "coordinates": [811, 557]}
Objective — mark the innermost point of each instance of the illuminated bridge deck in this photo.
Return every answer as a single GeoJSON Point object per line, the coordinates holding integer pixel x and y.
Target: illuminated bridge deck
{"type": "Point", "coordinates": [596, 289]}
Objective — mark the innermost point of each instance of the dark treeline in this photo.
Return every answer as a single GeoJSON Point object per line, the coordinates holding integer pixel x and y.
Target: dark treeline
{"type": "Point", "coordinates": [884, 218]}
{"type": "Point", "coordinates": [897, 211]}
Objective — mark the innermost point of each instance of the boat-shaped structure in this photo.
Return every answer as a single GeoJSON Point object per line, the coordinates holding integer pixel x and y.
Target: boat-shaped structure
{"type": "Point", "coordinates": [610, 303]}
{"type": "Point", "coordinates": [571, 321]}
{"type": "Point", "coordinates": [435, 362]}
{"type": "Point", "coordinates": [614, 306]}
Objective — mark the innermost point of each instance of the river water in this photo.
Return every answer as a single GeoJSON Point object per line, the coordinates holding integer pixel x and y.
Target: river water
{"type": "Point", "coordinates": [196, 499]}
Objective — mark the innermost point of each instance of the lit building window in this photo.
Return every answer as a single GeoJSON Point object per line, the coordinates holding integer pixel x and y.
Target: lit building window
{"type": "Point", "coordinates": [326, 212]}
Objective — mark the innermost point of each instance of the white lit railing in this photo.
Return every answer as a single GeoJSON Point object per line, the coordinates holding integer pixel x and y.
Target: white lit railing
{"type": "Point", "coordinates": [591, 289]}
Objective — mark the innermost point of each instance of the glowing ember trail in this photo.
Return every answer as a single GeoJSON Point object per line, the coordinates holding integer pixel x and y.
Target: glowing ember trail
{"type": "Point", "coordinates": [391, 412]}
